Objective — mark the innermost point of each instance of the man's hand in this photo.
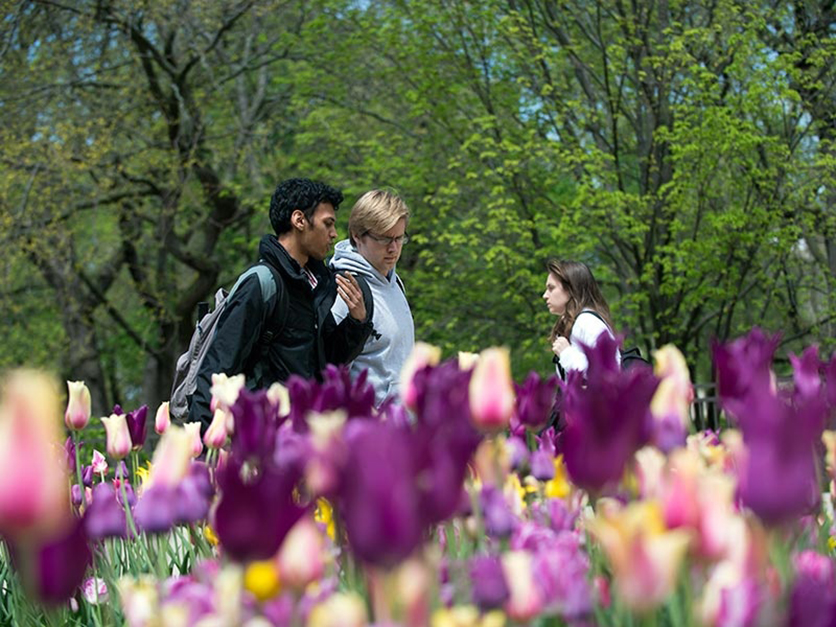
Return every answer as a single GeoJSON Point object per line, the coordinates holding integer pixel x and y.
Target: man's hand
{"type": "Point", "coordinates": [350, 292]}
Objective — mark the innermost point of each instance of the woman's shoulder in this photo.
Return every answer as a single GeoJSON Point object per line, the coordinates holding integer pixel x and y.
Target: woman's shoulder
{"type": "Point", "coordinates": [590, 323]}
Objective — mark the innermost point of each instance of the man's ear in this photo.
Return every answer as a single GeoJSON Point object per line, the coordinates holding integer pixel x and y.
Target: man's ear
{"type": "Point", "coordinates": [298, 220]}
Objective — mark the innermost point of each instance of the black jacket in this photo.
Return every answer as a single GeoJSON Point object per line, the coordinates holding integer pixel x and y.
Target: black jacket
{"type": "Point", "coordinates": [303, 343]}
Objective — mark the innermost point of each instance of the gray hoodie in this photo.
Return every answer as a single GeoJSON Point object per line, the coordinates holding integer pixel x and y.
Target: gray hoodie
{"type": "Point", "coordinates": [393, 336]}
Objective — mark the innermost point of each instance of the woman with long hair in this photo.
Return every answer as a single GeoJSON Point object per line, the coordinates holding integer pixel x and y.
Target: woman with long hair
{"type": "Point", "coordinates": [573, 295]}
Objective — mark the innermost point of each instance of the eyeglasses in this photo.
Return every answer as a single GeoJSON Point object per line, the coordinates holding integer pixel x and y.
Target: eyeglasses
{"type": "Point", "coordinates": [386, 241]}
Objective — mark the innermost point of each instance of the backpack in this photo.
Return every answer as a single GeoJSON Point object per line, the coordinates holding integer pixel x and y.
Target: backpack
{"type": "Point", "coordinates": [188, 364]}
{"type": "Point", "coordinates": [630, 357]}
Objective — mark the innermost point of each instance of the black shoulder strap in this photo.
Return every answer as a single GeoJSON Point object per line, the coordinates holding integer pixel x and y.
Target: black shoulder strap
{"type": "Point", "coordinates": [368, 299]}
{"type": "Point", "coordinates": [278, 317]}
{"type": "Point", "coordinates": [596, 314]}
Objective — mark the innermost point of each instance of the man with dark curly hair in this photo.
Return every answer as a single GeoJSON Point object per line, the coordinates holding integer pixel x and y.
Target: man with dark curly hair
{"type": "Point", "coordinates": [277, 320]}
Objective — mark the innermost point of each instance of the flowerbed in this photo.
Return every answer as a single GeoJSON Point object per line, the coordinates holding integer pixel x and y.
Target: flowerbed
{"type": "Point", "coordinates": [305, 506]}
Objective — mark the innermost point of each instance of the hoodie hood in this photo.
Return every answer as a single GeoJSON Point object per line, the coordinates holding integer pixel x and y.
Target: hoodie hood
{"type": "Point", "coordinates": [346, 257]}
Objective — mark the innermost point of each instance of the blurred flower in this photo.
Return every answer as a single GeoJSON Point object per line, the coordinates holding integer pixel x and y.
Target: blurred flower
{"type": "Point", "coordinates": [255, 426]}
{"type": "Point", "coordinates": [69, 454]}
{"type": "Point", "coordinates": [422, 355]}
{"type": "Point", "coordinates": [806, 372]}
{"type": "Point", "coordinates": [261, 578]}
{"type": "Point", "coordinates": [279, 396]}
{"type": "Point", "coordinates": [778, 479]}
{"type": "Point", "coordinates": [105, 516]}
{"type": "Point", "coordinates": [52, 571]}
{"type": "Point", "coordinates": [535, 399]}
{"type": "Point", "coordinates": [671, 403]}
{"type": "Point", "coordinates": [162, 418]}
{"type": "Point", "coordinates": [499, 521]}
{"type": "Point", "coordinates": [729, 598]}
{"type": "Point", "coordinates": [467, 616]}
{"type": "Point", "coordinates": [98, 463]}
{"type": "Point", "coordinates": [743, 364]}
{"type": "Point", "coordinates": [490, 591]}
{"type": "Point", "coordinates": [644, 556]}
{"type": "Point", "coordinates": [193, 430]}
{"type": "Point", "coordinates": [34, 494]}
{"type": "Point", "coordinates": [607, 418]}
{"type": "Point", "coordinates": [215, 436]}
{"type": "Point", "coordinates": [140, 600]}
{"type": "Point", "coordinates": [118, 436]}
{"type": "Point", "coordinates": [467, 360]}
{"type": "Point", "coordinates": [813, 596]}
{"type": "Point", "coordinates": [254, 515]}
{"type": "Point", "coordinates": [542, 465]}
{"type": "Point", "coordinates": [517, 452]}
{"type": "Point", "coordinates": [225, 390]}
{"type": "Point", "coordinates": [301, 557]}
{"type": "Point", "coordinates": [339, 610]}
{"type": "Point", "coordinates": [94, 590]}
{"type": "Point", "coordinates": [156, 509]}
{"type": "Point", "coordinates": [77, 414]}
{"type": "Point", "coordinates": [172, 458]}
{"type": "Point", "coordinates": [524, 600]}
{"type": "Point", "coordinates": [136, 426]}
{"type": "Point", "coordinates": [558, 487]}
{"type": "Point", "coordinates": [378, 495]}
{"type": "Point", "coordinates": [491, 390]}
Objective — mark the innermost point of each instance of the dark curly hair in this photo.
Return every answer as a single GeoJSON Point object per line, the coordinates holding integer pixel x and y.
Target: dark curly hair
{"type": "Point", "coordinates": [302, 194]}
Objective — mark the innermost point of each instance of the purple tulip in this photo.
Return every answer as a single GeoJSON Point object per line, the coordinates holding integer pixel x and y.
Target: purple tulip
{"type": "Point", "coordinates": [69, 453]}
{"type": "Point", "coordinates": [105, 516]}
{"type": "Point", "coordinates": [256, 423]}
{"type": "Point", "coordinates": [87, 476]}
{"type": "Point", "coordinates": [443, 440]}
{"type": "Point", "coordinates": [743, 364]}
{"type": "Point", "coordinates": [336, 391]}
{"type": "Point", "coordinates": [192, 499]}
{"type": "Point", "coordinates": [542, 465]}
{"type": "Point", "coordinates": [76, 495]}
{"type": "Point", "coordinates": [813, 596]}
{"type": "Point", "coordinates": [517, 452]}
{"type": "Point", "coordinates": [499, 520]}
{"type": "Point", "coordinates": [607, 420]}
{"type": "Point", "coordinates": [806, 373]}
{"type": "Point", "coordinates": [490, 589]}
{"type": "Point", "coordinates": [535, 399]}
{"type": "Point", "coordinates": [778, 480]}
{"type": "Point", "coordinates": [55, 570]}
{"type": "Point", "coordinates": [156, 510]}
{"type": "Point", "coordinates": [253, 517]}
{"type": "Point", "coordinates": [561, 567]}
{"type": "Point", "coordinates": [136, 426]}
{"type": "Point", "coordinates": [378, 500]}
{"type": "Point", "coordinates": [198, 597]}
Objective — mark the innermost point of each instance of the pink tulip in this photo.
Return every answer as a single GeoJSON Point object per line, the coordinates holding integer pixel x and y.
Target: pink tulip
{"type": "Point", "coordinates": [492, 390]}
{"type": "Point", "coordinates": [422, 355]}
{"type": "Point", "coordinates": [644, 556]}
{"type": "Point", "coordinates": [525, 600]}
{"type": "Point", "coordinates": [34, 497]}
{"type": "Point", "coordinates": [300, 559]}
{"type": "Point", "coordinates": [225, 390]}
{"type": "Point", "coordinates": [78, 406]}
{"type": "Point", "coordinates": [163, 418]}
{"type": "Point", "coordinates": [172, 458]}
{"type": "Point", "coordinates": [99, 463]}
{"type": "Point", "coordinates": [193, 429]}
{"type": "Point", "coordinates": [118, 436]}
{"type": "Point", "coordinates": [215, 435]}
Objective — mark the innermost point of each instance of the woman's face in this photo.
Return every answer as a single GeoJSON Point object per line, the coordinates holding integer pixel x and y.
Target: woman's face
{"type": "Point", "coordinates": [555, 295]}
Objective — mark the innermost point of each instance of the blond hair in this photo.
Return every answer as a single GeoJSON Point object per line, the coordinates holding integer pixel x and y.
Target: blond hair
{"type": "Point", "coordinates": [376, 211]}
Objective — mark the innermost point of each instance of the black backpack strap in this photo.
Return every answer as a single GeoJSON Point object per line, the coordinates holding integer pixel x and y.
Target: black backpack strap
{"type": "Point", "coordinates": [277, 317]}
{"type": "Point", "coordinates": [596, 314]}
{"type": "Point", "coordinates": [368, 299]}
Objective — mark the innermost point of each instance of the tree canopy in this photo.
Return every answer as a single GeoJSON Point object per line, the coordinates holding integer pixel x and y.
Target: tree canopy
{"type": "Point", "coordinates": [684, 150]}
